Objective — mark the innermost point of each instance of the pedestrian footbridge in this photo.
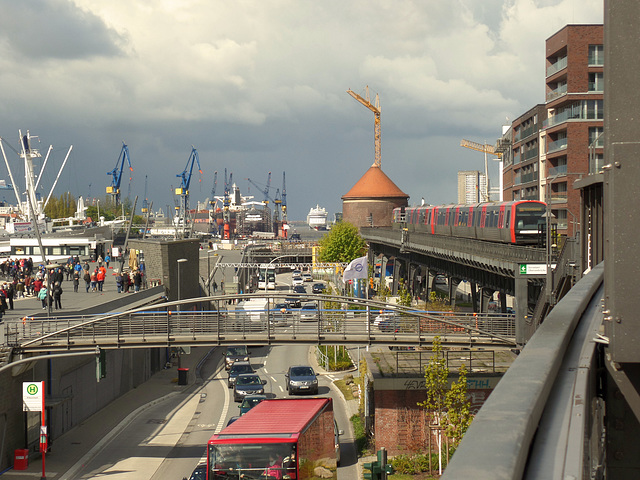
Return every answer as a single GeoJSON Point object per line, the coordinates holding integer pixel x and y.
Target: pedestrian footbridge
{"type": "Point", "coordinates": [223, 320]}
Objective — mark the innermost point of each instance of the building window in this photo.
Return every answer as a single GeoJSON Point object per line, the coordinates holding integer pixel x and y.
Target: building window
{"type": "Point", "coordinates": [596, 136]}
{"type": "Point", "coordinates": [596, 54]}
{"type": "Point", "coordinates": [596, 82]}
{"type": "Point", "coordinates": [596, 162]}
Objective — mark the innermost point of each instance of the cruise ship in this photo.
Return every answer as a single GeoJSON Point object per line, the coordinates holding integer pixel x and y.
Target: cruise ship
{"type": "Point", "coordinates": [317, 218]}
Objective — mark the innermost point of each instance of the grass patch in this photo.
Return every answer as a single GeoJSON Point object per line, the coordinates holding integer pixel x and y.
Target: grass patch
{"type": "Point", "coordinates": [345, 389]}
{"type": "Point", "coordinates": [361, 440]}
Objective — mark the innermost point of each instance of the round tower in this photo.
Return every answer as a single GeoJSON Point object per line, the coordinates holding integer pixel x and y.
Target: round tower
{"type": "Point", "coordinates": [371, 201]}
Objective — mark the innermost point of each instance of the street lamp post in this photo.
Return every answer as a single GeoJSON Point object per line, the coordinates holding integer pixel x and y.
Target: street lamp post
{"type": "Point", "coordinates": [180, 261]}
{"type": "Point", "coordinates": [209, 271]}
{"type": "Point", "coordinates": [98, 201]}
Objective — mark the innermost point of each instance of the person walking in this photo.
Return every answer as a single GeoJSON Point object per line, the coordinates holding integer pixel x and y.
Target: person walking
{"type": "Point", "coordinates": [137, 280]}
{"type": "Point", "coordinates": [119, 281]}
{"type": "Point", "coordinates": [43, 295]}
{"type": "Point", "coordinates": [57, 294]}
{"type": "Point", "coordinates": [76, 280]}
{"type": "Point", "coordinates": [87, 279]}
{"type": "Point", "coordinates": [107, 259]}
{"type": "Point", "coordinates": [100, 275]}
{"type": "Point", "coordinates": [11, 292]}
{"type": "Point", "coordinates": [94, 280]}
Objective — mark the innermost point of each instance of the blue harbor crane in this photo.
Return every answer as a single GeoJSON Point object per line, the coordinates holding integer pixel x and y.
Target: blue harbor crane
{"type": "Point", "coordinates": [212, 201]}
{"type": "Point", "coordinates": [183, 190]}
{"type": "Point", "coordinates": [116, 174]}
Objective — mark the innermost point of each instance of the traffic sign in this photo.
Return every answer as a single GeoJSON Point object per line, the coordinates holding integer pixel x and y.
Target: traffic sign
{"type": "Point", "coordinates": [533, 269]}
{"type": "Point", "coordinates": [32, 396]}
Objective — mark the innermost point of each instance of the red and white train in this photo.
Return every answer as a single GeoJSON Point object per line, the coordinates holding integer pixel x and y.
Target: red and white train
{"type": "Point", "coordinates": [516, 222]}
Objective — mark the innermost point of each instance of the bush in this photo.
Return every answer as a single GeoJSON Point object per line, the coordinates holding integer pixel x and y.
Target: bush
{"type": "Point", "coordinates": [361, 440]}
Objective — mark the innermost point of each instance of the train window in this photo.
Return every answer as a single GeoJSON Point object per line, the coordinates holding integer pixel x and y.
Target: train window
{"type": "Point", "coordinates": [507, 222]}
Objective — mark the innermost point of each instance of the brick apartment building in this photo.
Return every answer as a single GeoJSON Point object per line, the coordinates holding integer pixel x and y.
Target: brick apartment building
{"type": "Point", "coordinates": [558, 142]}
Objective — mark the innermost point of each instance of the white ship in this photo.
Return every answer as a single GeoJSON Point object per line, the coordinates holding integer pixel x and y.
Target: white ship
{"type": "Point", "coordinates": [317, 218]}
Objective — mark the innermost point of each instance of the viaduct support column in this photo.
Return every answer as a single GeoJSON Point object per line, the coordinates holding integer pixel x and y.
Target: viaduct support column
{"type": "Point", "coordinates": [474, 297]}
{"type": "Point", "coordinates": [521, 308]}
{"type": "Point", "coordinates": [453, 288]}
{"type": "Point", "coordinates": [485, 297]}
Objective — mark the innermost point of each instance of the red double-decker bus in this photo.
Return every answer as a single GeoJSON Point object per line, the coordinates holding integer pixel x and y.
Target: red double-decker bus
{"type": "Point", "coordinates": [277, 439]}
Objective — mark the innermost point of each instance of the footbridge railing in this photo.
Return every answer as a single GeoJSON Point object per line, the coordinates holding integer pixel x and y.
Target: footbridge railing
{"type": "Point", "coordinates": [226, 320]}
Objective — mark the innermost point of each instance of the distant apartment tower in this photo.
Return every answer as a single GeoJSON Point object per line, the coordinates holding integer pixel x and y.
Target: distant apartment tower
{"type": "Point", "coordinates": [556, 143]}
{"type": "Point", "coordinates": [472, 187]}
{"type": "Point", "coordinates": [521, 169]}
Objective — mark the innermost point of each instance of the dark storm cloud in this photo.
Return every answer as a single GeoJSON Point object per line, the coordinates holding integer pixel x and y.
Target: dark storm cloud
{"type": "Point", "coordinates": [54, 29]}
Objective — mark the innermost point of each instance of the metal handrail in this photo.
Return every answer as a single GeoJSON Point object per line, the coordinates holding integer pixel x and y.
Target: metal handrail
{"type": "Point", "coordinates": [510, 417]}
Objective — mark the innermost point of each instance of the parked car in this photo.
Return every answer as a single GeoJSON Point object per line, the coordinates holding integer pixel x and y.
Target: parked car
{"type": "Point", "coordinates": [318, 288]}
{"type": "Point", "coordinates": [307, 277]}
{"type": "Point", "coordinates": [309, 312]}
{"type": "Point", "coordinates": [238, 368]}
{"type": "Point", "coordinates": [248, 384]}
{"type": "Point", "coordinates": [301, 378]}
{"type": "Point", "coordinates": [234, 354]}
{"type": "Point", "coordinates": [249, 402]}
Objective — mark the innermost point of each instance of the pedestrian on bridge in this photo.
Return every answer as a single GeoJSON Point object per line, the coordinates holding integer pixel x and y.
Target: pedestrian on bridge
{"type": "Point", "coordinates": [57, 295]}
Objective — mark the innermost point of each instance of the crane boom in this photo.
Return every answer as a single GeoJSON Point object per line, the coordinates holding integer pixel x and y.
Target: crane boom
{"type": "Point", "coordinates": [284, 199]}
{"type": "Point", "coordinates": [213, 189]}
{"type": "Point", "coordinates": [485, 148]}
{"type": "Point", "coordinates": [377, 130]}
{"type": "Point", "coordinates": [116, 173]}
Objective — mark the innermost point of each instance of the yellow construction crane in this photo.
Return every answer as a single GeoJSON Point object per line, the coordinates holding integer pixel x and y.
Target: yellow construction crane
{"type": "Point", "coordinates": [490, 149]}
{"type": "Point", "coordinates": [487, 150]}
{"type": "Point", "coordinates": [375, 108]}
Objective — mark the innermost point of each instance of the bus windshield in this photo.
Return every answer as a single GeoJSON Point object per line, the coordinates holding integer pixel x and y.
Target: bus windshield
{"type": "Point", "coordinates": [267, 278]}
{"type": "Point", "coordinates": [252, 461]}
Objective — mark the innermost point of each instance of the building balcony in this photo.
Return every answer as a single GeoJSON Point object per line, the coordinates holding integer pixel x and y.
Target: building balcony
{"type": "Point", "coordinates": [553, 94]}
{"type": "Point", "coordinates": [562, 117]}
{"type": "Point", "coordinates": [557, 171]}
{"type": "Point", "coordinates": [556, 67]}
{"type": "Point", "coordinates": [558, 197]}
{"type": "Point", "coordinates": [529, 154]}
{"type": "Point", "coordinates": [560, 144]}
{"type": "Point", "coordinates": [526, 178]}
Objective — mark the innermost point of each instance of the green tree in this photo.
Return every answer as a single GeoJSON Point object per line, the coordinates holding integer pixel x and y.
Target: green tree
{"type": "Point", "coordinates": [449, 407]}
{"type": "Point", "coordinates": [404, 295]}
{"type": "Point", "coordinates": [458, 408]}
{"type": "Point", "coordinates": [343, 244]}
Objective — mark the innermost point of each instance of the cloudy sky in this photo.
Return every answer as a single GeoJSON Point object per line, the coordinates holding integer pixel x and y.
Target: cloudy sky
{"type": "Point", "coordinates": [259, 86]}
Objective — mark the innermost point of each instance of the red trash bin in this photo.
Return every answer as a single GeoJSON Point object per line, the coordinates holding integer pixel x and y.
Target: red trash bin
{"type": "Point", "coordinates": [20, 459]}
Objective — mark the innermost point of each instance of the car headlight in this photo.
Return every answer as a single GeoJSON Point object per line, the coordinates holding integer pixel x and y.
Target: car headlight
{"type": "Point", "coordinates": [315, 380]}
{"type": "Point", "coordinates": [261, 391]}
{"type": "Point", "coordinates": [246, 359]}
{"type": "Point", "coordinates": [295, 383]}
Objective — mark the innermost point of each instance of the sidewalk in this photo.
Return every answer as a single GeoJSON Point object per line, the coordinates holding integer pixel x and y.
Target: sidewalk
{"type": "Point", "coordinates": [77, 446]}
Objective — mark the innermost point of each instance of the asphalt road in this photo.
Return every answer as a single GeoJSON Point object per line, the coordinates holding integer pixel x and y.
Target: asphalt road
{"type": "Point", "coordinates": [166, 440]}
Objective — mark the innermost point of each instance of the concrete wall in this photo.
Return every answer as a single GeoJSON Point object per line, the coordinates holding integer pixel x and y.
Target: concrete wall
{"type": "Point", "coordinates": [161, 262]}
{"type": "Point", "coordinates": [72, 391]}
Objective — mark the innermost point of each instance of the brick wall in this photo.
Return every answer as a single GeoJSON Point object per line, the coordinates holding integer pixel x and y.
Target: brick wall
{"type": "Point", "coordinates": [401, 426]}
{"type": "Point", "coordinates": [357, 211]}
